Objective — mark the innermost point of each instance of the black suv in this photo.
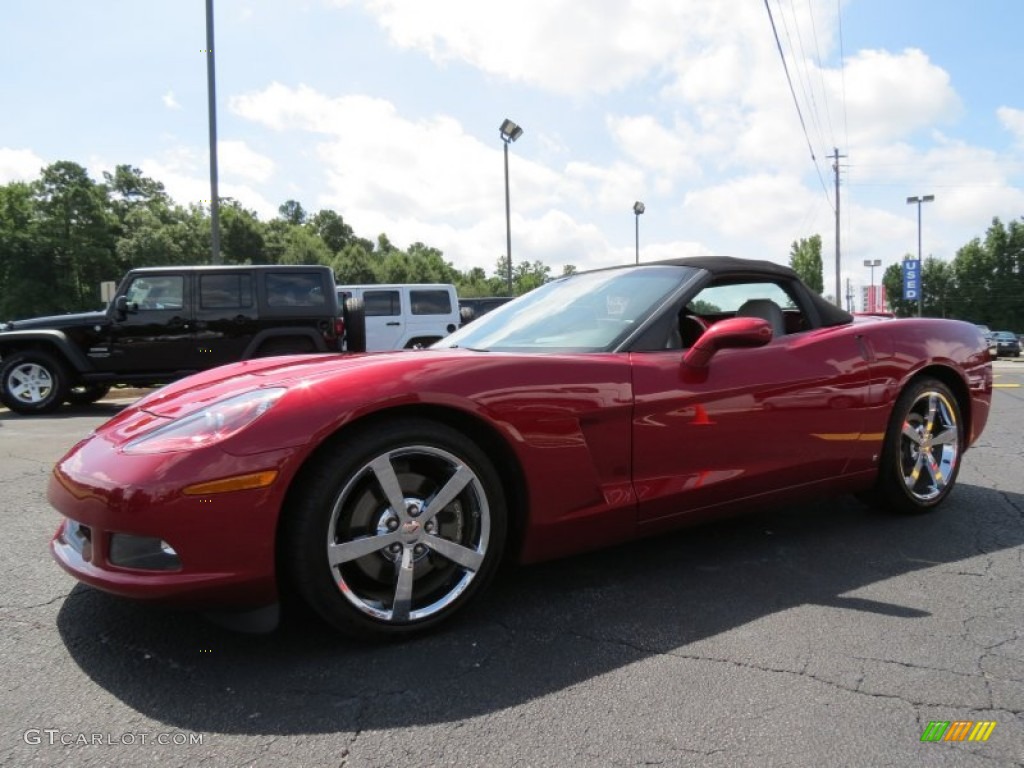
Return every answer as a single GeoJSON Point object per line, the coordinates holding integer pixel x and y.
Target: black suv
{"type": "Point", "coordinates": [165, 323]}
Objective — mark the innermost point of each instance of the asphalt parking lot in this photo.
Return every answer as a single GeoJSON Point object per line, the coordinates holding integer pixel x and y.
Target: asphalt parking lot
{"type": "Point", "coordinates": [818, 635]}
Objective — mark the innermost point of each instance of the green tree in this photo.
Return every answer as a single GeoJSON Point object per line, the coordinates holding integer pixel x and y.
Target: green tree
{"type": "Point", "coordinates": [333, 230]}
{"type": "Point", "coordinates": [25, 268]}
{"type": "Point", "coordinates": [353, 266]}
{"type": "Point", "coordinates": [805, 259]}
{"type": "Point", "coordinates": [292, 212]}
{"type": "Point", "coordinates": [241, 235]}
{"type": "Point", "coordinates": [77, 235]}
{"type": "Point", "coordinates": [305, 247]}
{"type": "Point", "coordinates": [892, 280]}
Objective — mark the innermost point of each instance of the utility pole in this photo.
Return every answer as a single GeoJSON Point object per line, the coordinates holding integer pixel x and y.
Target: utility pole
{"type": "Point", "coordinates": [849, 296]}
{"type": "Point", "coordinates": [839, 280]}
{"type": "Point", "coordinates": [211, 93]}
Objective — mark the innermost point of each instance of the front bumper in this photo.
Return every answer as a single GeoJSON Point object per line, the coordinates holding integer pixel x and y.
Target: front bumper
{"type": "Point", "coordinates": [131, 531]}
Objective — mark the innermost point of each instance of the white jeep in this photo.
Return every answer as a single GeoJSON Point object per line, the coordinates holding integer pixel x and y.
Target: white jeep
{"type": "Point", "coordinates": [407, 315]}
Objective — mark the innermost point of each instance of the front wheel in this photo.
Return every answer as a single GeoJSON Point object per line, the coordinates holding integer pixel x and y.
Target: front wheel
{"type": "Point", "coordinates": [395, 529]}
{"type": "Point", "coordinates": [33, 382]}
{"type": "Point", "coordinates": [923, 448]}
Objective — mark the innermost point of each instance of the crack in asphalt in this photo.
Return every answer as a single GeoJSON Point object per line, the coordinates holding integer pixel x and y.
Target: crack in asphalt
{"type": "Point", "coordinates": [803, 672]}
{"type": "Point", "coordinates": [65, 596]}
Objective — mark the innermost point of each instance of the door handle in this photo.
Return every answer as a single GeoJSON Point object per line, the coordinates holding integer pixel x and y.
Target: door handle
{"type": "Point", "coordinates": [394, 323]}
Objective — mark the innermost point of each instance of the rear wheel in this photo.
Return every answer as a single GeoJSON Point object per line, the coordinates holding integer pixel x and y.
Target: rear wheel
{"type": "Point", "coordinates": [33, 382]}
{"type": "Point", "coordinates": [923, 448]}
{"type": "Point", "coordinates": [395, 529]}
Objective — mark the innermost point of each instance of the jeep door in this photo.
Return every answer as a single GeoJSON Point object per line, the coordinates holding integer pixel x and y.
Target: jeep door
{"type": "Point", "coordinates": [384, 313]}
{"type": "Point", "coordinates": [226, 317]}
{"type": "Point", "coordinates": [155, 334]}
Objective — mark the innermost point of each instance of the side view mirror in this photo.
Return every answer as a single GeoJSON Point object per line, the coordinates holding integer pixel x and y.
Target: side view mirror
{"type": "Point", "coordinates": [123, 307]}
{"type": "Point", "coordinates": [733, 333]}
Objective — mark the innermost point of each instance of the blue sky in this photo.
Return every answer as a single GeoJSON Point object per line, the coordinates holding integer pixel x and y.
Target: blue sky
{"type": "Point", "coordinates": [388, 112]}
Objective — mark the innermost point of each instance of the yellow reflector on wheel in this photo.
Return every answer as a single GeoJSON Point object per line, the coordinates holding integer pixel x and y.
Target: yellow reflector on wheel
{"type": "Point", "coordinates": [237, 483]}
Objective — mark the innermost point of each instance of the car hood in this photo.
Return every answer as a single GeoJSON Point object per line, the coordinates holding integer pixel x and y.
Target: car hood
{"type": "Point", "coordinates": [293, 372]}
{"type": "Point", "coordinates": [57, 321]}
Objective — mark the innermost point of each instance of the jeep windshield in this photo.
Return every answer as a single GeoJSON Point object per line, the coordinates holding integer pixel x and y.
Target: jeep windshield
{"type": "Point", "coordinates": [588, 312]}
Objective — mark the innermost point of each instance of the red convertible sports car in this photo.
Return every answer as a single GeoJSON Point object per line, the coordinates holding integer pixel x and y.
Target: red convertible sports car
{"type": "Point", "coordinates": [385, 489]}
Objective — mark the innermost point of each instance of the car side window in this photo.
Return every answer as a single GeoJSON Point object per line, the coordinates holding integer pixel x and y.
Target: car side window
{"type": "Point", "coordinates": [294, 289]}
{"type": "Point", "coordinates": [727, 299]}
{"type": "Point", "coordinates": [157, 292]}
{"type": "Point", "coordinates": [381, 303]}
{"type": "Point", "coordinates": [430, 302]}
{"type": "Point", "coordinates": [232, 291]}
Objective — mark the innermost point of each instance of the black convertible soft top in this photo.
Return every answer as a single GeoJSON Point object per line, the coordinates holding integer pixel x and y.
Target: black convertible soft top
{"type": "Point", "coordinates": [729, 266]}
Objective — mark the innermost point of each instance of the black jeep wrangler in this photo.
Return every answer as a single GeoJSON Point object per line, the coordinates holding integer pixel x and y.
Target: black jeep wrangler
{"type": "Point", "coordinates": [168, 322]}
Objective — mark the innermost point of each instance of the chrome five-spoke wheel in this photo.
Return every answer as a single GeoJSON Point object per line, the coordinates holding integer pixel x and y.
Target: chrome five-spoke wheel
{"type": "Point", "coordinates": [923, 448]}
{"type": "Point", "coordinates": [409, 522]}
{"type": "Point", "coordinates": [412, 517]}
{"type": "Point", "coordinates": [929, 446]}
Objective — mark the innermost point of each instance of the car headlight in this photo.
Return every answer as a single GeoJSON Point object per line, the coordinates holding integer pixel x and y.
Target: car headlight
{"type": "Point", "coordinates": [209, 425]}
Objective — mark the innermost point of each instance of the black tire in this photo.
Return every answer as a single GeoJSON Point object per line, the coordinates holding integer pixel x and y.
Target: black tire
{"type": "Point", "coordinates": [355, 325]}
{"type": "Point", "coordinates": [923, 448]}
{"type": "Point", "coordinates": [33, 382]}
{"type": "Point", "coordinates": [87, 394]}
{"type": "Point", "coordinates": [340, 511]}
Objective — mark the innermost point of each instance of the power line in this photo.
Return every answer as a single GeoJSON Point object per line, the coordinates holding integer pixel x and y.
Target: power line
{"type": "Point", "coordinates": [796, 103]}
{"type": "Point", "coordinates": [800, 66]}
{"type": "Point", "coordinates": [821, 71]}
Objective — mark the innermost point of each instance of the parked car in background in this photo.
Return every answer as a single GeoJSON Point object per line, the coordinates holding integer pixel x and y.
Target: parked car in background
{"type": "Point", "coordinates": [403, 316]}
{"type": "Point", "coordinates": [478, 306]}
{"type": "Point", "coordinates": [1004, 344]}
{"type": "Point", "coordinates": [385, 490]}
{"type": "Point", "coordinates": [165, 323]}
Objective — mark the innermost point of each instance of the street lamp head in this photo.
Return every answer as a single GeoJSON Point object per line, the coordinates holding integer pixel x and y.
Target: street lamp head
{"type": "Point", "coordinates": [921, 199]}
{"type": "Point", "coordinates": [510, 131]}
{"type": "Point", "coordinates": [872, 262]}
{"type": "Point", "coordinates": [638, 208]}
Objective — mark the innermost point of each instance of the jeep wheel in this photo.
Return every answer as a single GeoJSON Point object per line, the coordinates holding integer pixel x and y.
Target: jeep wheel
{"type": "Point", "coordinates": [87, 394]}
{"type": "Point", "coordinates": [33, 382]}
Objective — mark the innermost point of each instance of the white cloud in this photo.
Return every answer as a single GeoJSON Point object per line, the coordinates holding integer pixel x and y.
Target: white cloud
{"type": "Point", "coordinates": [170, 101]}
{"type": "Point", "coordinates": [889, 96]}
{"type": "Point", "coordinates": [770, 208]}
{"type": "Point", "coordinates": [390, 174]}
{"type": "Point", "coordinates": [235, 157]}
{"type": "Point", "coordinates": [562, 45]}
{"type": "Point", "coordinates": [19, 165]}
{"type": "Point", "coordinates": [185, 175]}
{"type": "Point", "coordinates": [1013, 121]}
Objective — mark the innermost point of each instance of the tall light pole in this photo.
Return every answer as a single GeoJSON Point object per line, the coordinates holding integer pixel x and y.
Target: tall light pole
{"type": "Point", "coordinates": [871, 290]}
{"type": "Point", "coordinates": [211, 92]}
{"type": "Point", "coordinates": [509, 133]}
{"type": "Point", "coordinates": [638, 208]}
{"type": "Point", "coordinates": [920, 264]}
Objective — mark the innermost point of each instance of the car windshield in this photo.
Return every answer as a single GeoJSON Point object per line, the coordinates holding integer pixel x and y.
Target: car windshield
{"type": "Point", "coordinates": [588, 312]}
{"type": "Point", "coordinates": [1005, 336]}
